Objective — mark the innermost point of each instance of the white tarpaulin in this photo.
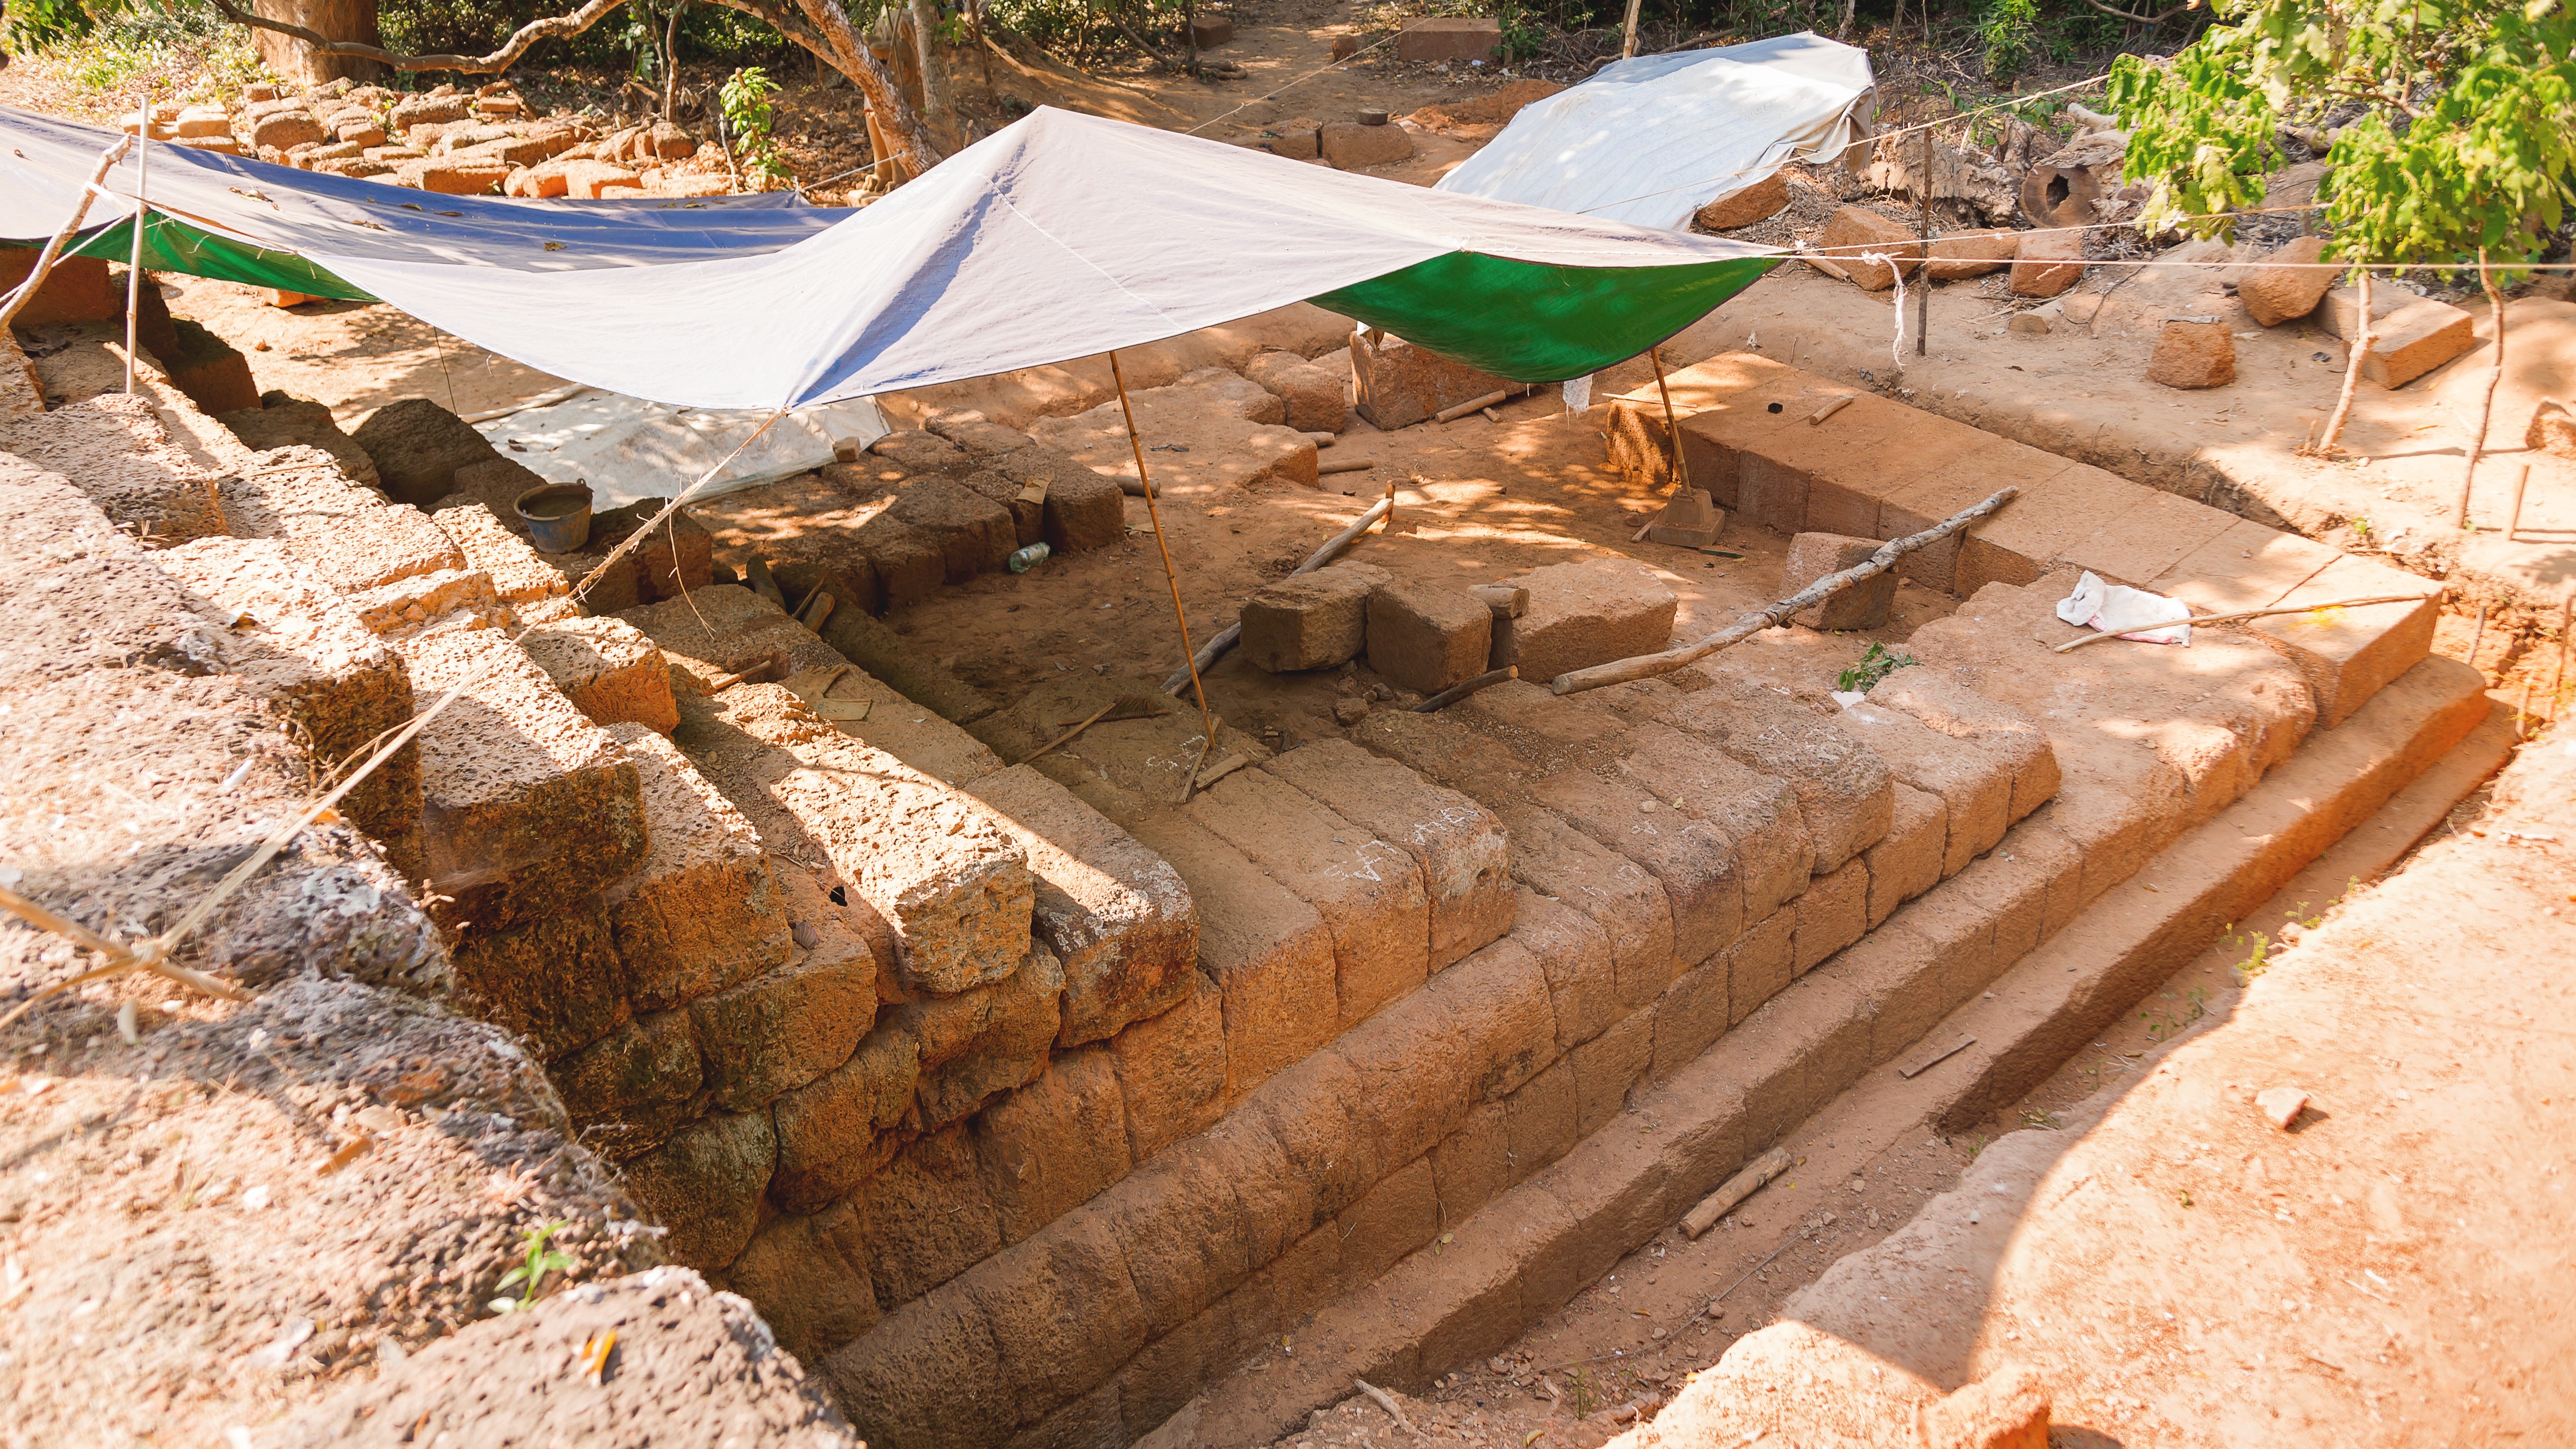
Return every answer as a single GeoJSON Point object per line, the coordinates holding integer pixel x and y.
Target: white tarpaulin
{"type": "Point", "coordinates": [627, 449]}
{"type": "Point", "coordinates": [1652, 139]}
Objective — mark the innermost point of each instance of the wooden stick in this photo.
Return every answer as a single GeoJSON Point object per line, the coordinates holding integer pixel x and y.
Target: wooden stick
{"type": "Point", "coordinates": [1153, 513]}
{"type": "Point", "coordinates": [1923, 249]}
{"type": "Point", "coordinates": [2478, 636]}
{"type": "Point", "coordinates": [119, 959]}
{"type": "Point", "coordinates": [2558, 681]}
{"type": "Point", "coordinates": [2521, 480]}
{"type": "Point", "coordinates": [1457, 692]}
{"type": "Point", "coordinates": [1672, 428]}
{"type": "Point", "coordinates": [1828, 410]}
{"type": "Point", "coordinates": [1824, 266]}
{"type": "Point", "coordinates": [1508, 601]}
{"type": "Point", "coordinates": [1386, 1402]}
{"type": "Point", "coordinates": [1225, 639]}
{"type": "Point", "coordinates": [1647, 666]}
{"type": "Point", "coordinates": [1344, 465]}
{"type": "Point", "coordinates": [816, 610]}
{"type": "Point", "coordinates": [2254, 614]}
{"type": "Point", "coordinates": [134, 262]}
{"type": "Point", "coordinates": [1471, 405]}
{"type": "Point", "coordinates": [1755, 1176]}
{"type": "Point", "coordinates": [2486, 404]}
{"type": "Point", "coordinates": [1069, 734]}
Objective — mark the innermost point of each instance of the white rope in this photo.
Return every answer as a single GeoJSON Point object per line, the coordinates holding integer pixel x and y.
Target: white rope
{"type": "Point", "coordinates": [1895, 349]}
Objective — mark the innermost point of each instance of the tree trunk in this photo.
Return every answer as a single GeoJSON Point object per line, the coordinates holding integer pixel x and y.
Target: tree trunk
{"type": "Point", "coordinates": [295, 62]}
{"type": "Point", "coordinates": [895, 115]}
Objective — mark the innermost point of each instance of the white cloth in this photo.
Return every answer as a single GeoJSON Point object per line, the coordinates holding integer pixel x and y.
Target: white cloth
{"type": "Point", "coordinates": [2127, 612]}
{"type": "Point", "coordinates": [1654, 138]}
{"type": "Point", "coordinates": [627, 449]}
{"type": "Point", "coordinates": [1578, 394]}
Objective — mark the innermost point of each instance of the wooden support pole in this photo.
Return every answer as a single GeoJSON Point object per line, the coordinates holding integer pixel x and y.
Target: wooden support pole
{"type": "Point", "coordinates": [1171, 575]}
{"type": "Point", "coordinates": [1672, 425]}
{"type": "Point", "coordinates": [1647, 666]}
{"type": "Point", "coordinates": [134, 259]}
{"type": "Point", "coordinates": [1923, 232]}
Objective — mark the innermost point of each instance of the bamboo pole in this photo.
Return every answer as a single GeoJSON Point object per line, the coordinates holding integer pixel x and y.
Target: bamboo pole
{"type": "Point", "coordinates": [2486, 404]}
{"type": "Point", "coordinates": [1647, 666]}
{"type": "Point", "coordinates": [1154, 513]}
{"type": "Point", "coordinates": [2254, 614]}
{"type": "Point", "coordinates": [1672, 426]}
{"type": "Point", "coordinates": [1225, 639]}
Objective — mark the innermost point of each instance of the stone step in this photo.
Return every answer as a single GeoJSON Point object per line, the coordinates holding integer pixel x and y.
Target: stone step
{"type": "Point", "coordinates": [519, 573]}
{"type": "Point", "coordinates": [116, 450]}
{"type": "Point", "coordinates": [346, 534]}
{"type": "Point", "coordinates": [608, 669]}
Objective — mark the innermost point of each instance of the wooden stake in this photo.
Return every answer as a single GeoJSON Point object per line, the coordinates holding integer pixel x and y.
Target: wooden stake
{"type": "Point", "coordinates": [134, 259]}
{"type": "Point", "coordinates": [1742, 1185]}
{"type": "Point", "coordinates": [1154, 513]}
{"type": "Point", "coordinates": [2486, 405]}
{"type": "Point", "coordinates": [1647, 666]}
{"type": "Point", "coordinates": [1672, 426]}
{"type": "Point", "coordinates": [2478, 636]}
{"type": "Point", "coordinates": [2253, 614]}
{"type": "Point", "coordinates": [1923, 231]}
{"type": "Point", "coordinates": [1457, 692]}
{"type": "Point", "coordinates": [2521, 480]}
{"type": "Point", "coordinates": [2356, 350]}
{"type": "Point", "coordinates": [1628, 46]}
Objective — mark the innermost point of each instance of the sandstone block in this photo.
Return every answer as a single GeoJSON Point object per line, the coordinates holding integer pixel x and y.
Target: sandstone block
{"type": "Point", "coordinates": [1461, 848]}
{"type": "Point", "coordinates": [2193, 352]}
{"type": "Point", "coordinates": [1310, 621]}
{"type": "Point", "coordinates": [556, 981]}
{"type": "Point", "coordinates": [1691, 1016]}
{"type": "Point", "coordinates": [1209, 31]}
{"type": "Point", "coordinates": [1761, 964]}
{"type": "Point", "coordinates": [917, 451]}
{"type": "Point", "coordinates": [974, 534]}
{"type": "Point", "coordinates": [2047, 263]}
{"type": "Point", "coordinates": [1425, 638]}
{"type": "Point", "coordinates": [1318, 398]}
{"type": "Point", "coordinates": [418, 446]}
{"type": "Point", "coordinates": [1971, 254]}
{"type": "Point", "coordinates": [837, 1131]}
{"type": "Point", "coordinates": [411, 111]}
{"type": "Point", "coordinates": [1396, 384]}
{"type": "Point", "coordinates": [1844, 792]}
{"type": "Point", "coordinates": [677, 558]}
{"type": "Point", "coordinates": [2415, 339]}
{"type": "Point", "coordinates": [1171, 1070]}
{"type": "Point", "coordinates": [1027, 514]}
{"type": "Point", "coordinates": [931, 1199]}
{"type": "Point", "coordinates": [116, 450]}
{"type": "Point", "coordinates": [1759, 201]}
{"type": "Point", "coordinates": [1115, 913]}
{"type": "Point", "coordinates": [629, 1090]}
{"type": "Point", "coordinates": [528, 806]}
{"type": "Point", "coordinates": [704, 911]}
{"type": "Point", "coordinates": [285, 634]}
{"type": "Point", "coordinates": [1582, 614]}
{"type": "Point", "coordinates": [1853, 234]}
{"type": "Point", "coordinates": [2001, 732]}
{"type": "Point", "coordinates": [705, 1185]}
{"type": "Point", "coordinates": [1369, 893]}
{"type": "Point", "coordinates": [787, 1026]}
{"type": "Point", "coordinates": [978, 434]}
{"type": "Point", "coordinates": [1831, 915]}
{"type": "Point", "coordinates": [980, 1044]}
{"type": "Point", "coordinates": [1439, 38]}
{"type": "Point", "coordinates": [283, 420]}
{"type": "Point", "coordinates": [1975, 788]}
{"type": "Point", "coordinates": [1862, 606]}
{"type": "Point", "coordinates": [1047, 1147]}
{"type": "Point", "coordinates": [2287, 284]}
{"type": "Point", "coordinates": [208, 370]}
{"type": "Point", "coordinates": [2348, 654]}
{"type": "Point", "coordinates": [1083, 508]}
{"type": "Point", "coordinates": [1907, 862]}
{"type": "Point", "coordinates": [808, 1276]}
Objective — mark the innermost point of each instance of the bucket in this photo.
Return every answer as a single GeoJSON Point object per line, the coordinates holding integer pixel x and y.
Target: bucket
{"type": "Point", "coordinates": [557, 515]}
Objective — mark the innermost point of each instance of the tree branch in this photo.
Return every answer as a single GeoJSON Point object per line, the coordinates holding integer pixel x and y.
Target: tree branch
{"type": "Point", "coordinates": [553, 28]}
{"type": "Point", "coordinates": [2141, 19]}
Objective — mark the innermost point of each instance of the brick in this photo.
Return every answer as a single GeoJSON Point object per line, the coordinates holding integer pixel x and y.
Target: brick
{"type": "Point", "coordinates": [1269, 953]}
{"type": "Point", "coordinates": [285, 635]}
{"type": "Point", "coordinates": [1761, 964]}
{"type": "Point", "coordinates": [1460, 847]}
{"type": "Point", "coordinates": [835, 1132]}
{"type": "Point", "coordinates": [1587, 613]}
{"type": "Point", "coordinates": [2000, 732]}
{"type": "Point", "coordinates": [1844, 793]}
{"type": "Point", "coordinates": [1426, 41]}
{"type": "Point", "coordinates": [928, 1211]}
{"type": "Point", "coordinates": [703, 910]}
{"type": "Point", "coordinates": [519, 574]}
{"type": "Point", "coordinates": [1425, 638]}
{"type": "Point", "coordinates": [1832, 914]}
{"type": "Point", "coordinates": [2288, 284]}
{"type": "Point", "coordinates": [1975, 788]}
{"type": "Point", "coordinates": [2047, 263]}
{"type": "Point", "coordinates": [1854, 233]}
{"type": "Point", "coordinates": [2193, 352]}
{"type": "Point", "coordinates": [1171, 1070]}
{"type": "Point", "coordinates": [2347, 655]}
{"type": "Point", "coordinates": [418, 446]}
{"type": "Point", "coordinates": [1049, 1146]}
{"type": "Point", "coordinates": [556, 981]}
{"type": "Point", "coordinates": [705, 1186]}
{"type": "Point", "coordinates": [1370, 894]}
{"type": "Point", "coordinates": [1318, 398]}
{"type": "Point", "coordinates": [608, 669]}
{"type": "Point", "coordinates": [115, 449]}
{"type": "Point", "coordinates": [997, 1038]}
{"type": "Point", "coordinates": [1309, 621]}
{"type": "Point", "coordinates": [1907, 861]}
{"type": "Point", "coordinates": [1117, 916]}
{"type": "Point", "coordinates": [528, 807]}
{"type": "Point", "coordinates": [808, 1276]}
{"type": "Point", "coordinates": [628, 1091]}
{"type": "Point", "coordinates": [1862, 606]}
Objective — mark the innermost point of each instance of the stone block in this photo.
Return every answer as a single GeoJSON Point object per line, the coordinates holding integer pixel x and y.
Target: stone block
{"type": "Point", "coordinates": [2552, 430]}
{"type": "Point", "coordinates": [1831, 915]}
{"type": "Point", "coordinates": [528, 807]}
{"type": "Point", "coordinates": [722, 630]}
{"type": "Point", "coordinates": [1082, 509]}
{"type": "Point", "coordinates": [628, 1091]}
{"type": "Point", "coordinates": [1171, 1070]}
{"type": "Point", "coordinates": [917, 450]}
{"type": "Point", "coordinates": [705, 1185]}
{"type": "Point", "coordinates": [459, 173]}
{"type": "Point", "coordinates": [283, 420]}
{"type": "Point", "coordinates": [418, 446]}
{"type": "Point", "coordinates": [208, 370]}
{"type": "Point", "coordinates": [1945, 488]}
{"type": "Point", "coordinates": [929, 1216]}
{"type": "Point", "coordinates": [1759, 201]}
{"type": "Point", "coordinates": [808, 1276]}
{"type": "Point", "coordinates": [1354, 146]}
{"type": "Point", "coordinates": [1853, 234]}
{"type": "Point", "coordinates": [1209, 31]}
{"type": "Point", "coordinates": [1864, 605]}
{"type": "Point", "coordinates": [890, 658]}
{"type": "Point", "coordinates": [1309, 621]}
{"type": "Point", "coordinates": [1574, 952]}
{"type": "Point", "coordinates": [2193, 352]}
{"type": "Point", "coordinates": [608, 669]}
{"type": "Point", "coordinates": [678, 558]}
{"type": "Point", "coordinates": [1473, 1165]}
{"type": "Point", "coordinates": [1115, 913]}
{"type": "Point", "coordinates": [1607, 1066]}
{"type": "Point", "coordinates": [1582, 614]}
{"type": "Point", "coordinates": [1317, 397]}
{"type": "Point", "coordinates": [1438, 38]}
{"type": "Point", "coordinates": [1907, 862]}
{"type": "Point", "coordinates": [2247, 567]}
{"type": "Point", "coordinates": [1034, 1292]}
{"type": "Point", "coordinates": [974, 534]}
{"type": "Point", "coordinates": [2047, 263]}
{"type": "Point", "coordinates": [835, 1132]}
{"type": "Point", "coordinates": [1844, 793]}
{"type": "Point", "coordinates": [556, 982]}
{"type": "Point", "coordinates": [1027, 514]}
{"type": "Point", "coordinates": [2004, 734]}
{"type": "Point", "coordinates": [1425, 637]}
{"type": "Point", "coordinates": [287, 130]}
{"type": "Point", "coordinates": [1397, 384]}
{"type": "Point", "coordinates": [978, 1045]}
{"type": "Point", "coordinates": [1971, 254]}
{"type": "Point", "coordinates": [1048, 1146]}
{"type": "Point", "coordinates": [1542, 1120]}
{"type": "Point", "coordinates": [1690, 1017]}
{"type": "Point", "coordinates": [76, 290]}
{"type": "Point", "coordinates": [787, 1026]}
{"type": "Point", "coordinates": [286, 635]}
{"type": "Point", "coordinates": [447, 598]}
{"type": "Point", "coordinates": [1268, 952]}
{"type": "Point", "coordinates": [1460, 847]}
{"type": "Point", "coordinates": [1975, 787]}
{"type": "Point", "coordinates": [979, 435]}
{"type": "Point", "coordinates": [1761, 964]}
{"type": "Point", "coordinates": [115, 449]}
{"type": "Point", "coordinates": [2415, 339]}
{"type": "Point", "coordinates": [2346, 655]}
{"type": "Point", "coordinates": [1370, 894]}
{"type": "Point", "coordinates": [2288, 284]}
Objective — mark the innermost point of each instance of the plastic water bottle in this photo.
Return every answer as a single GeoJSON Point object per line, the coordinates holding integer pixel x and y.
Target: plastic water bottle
{"type": "Point", "coordinates": [1025, 559]}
